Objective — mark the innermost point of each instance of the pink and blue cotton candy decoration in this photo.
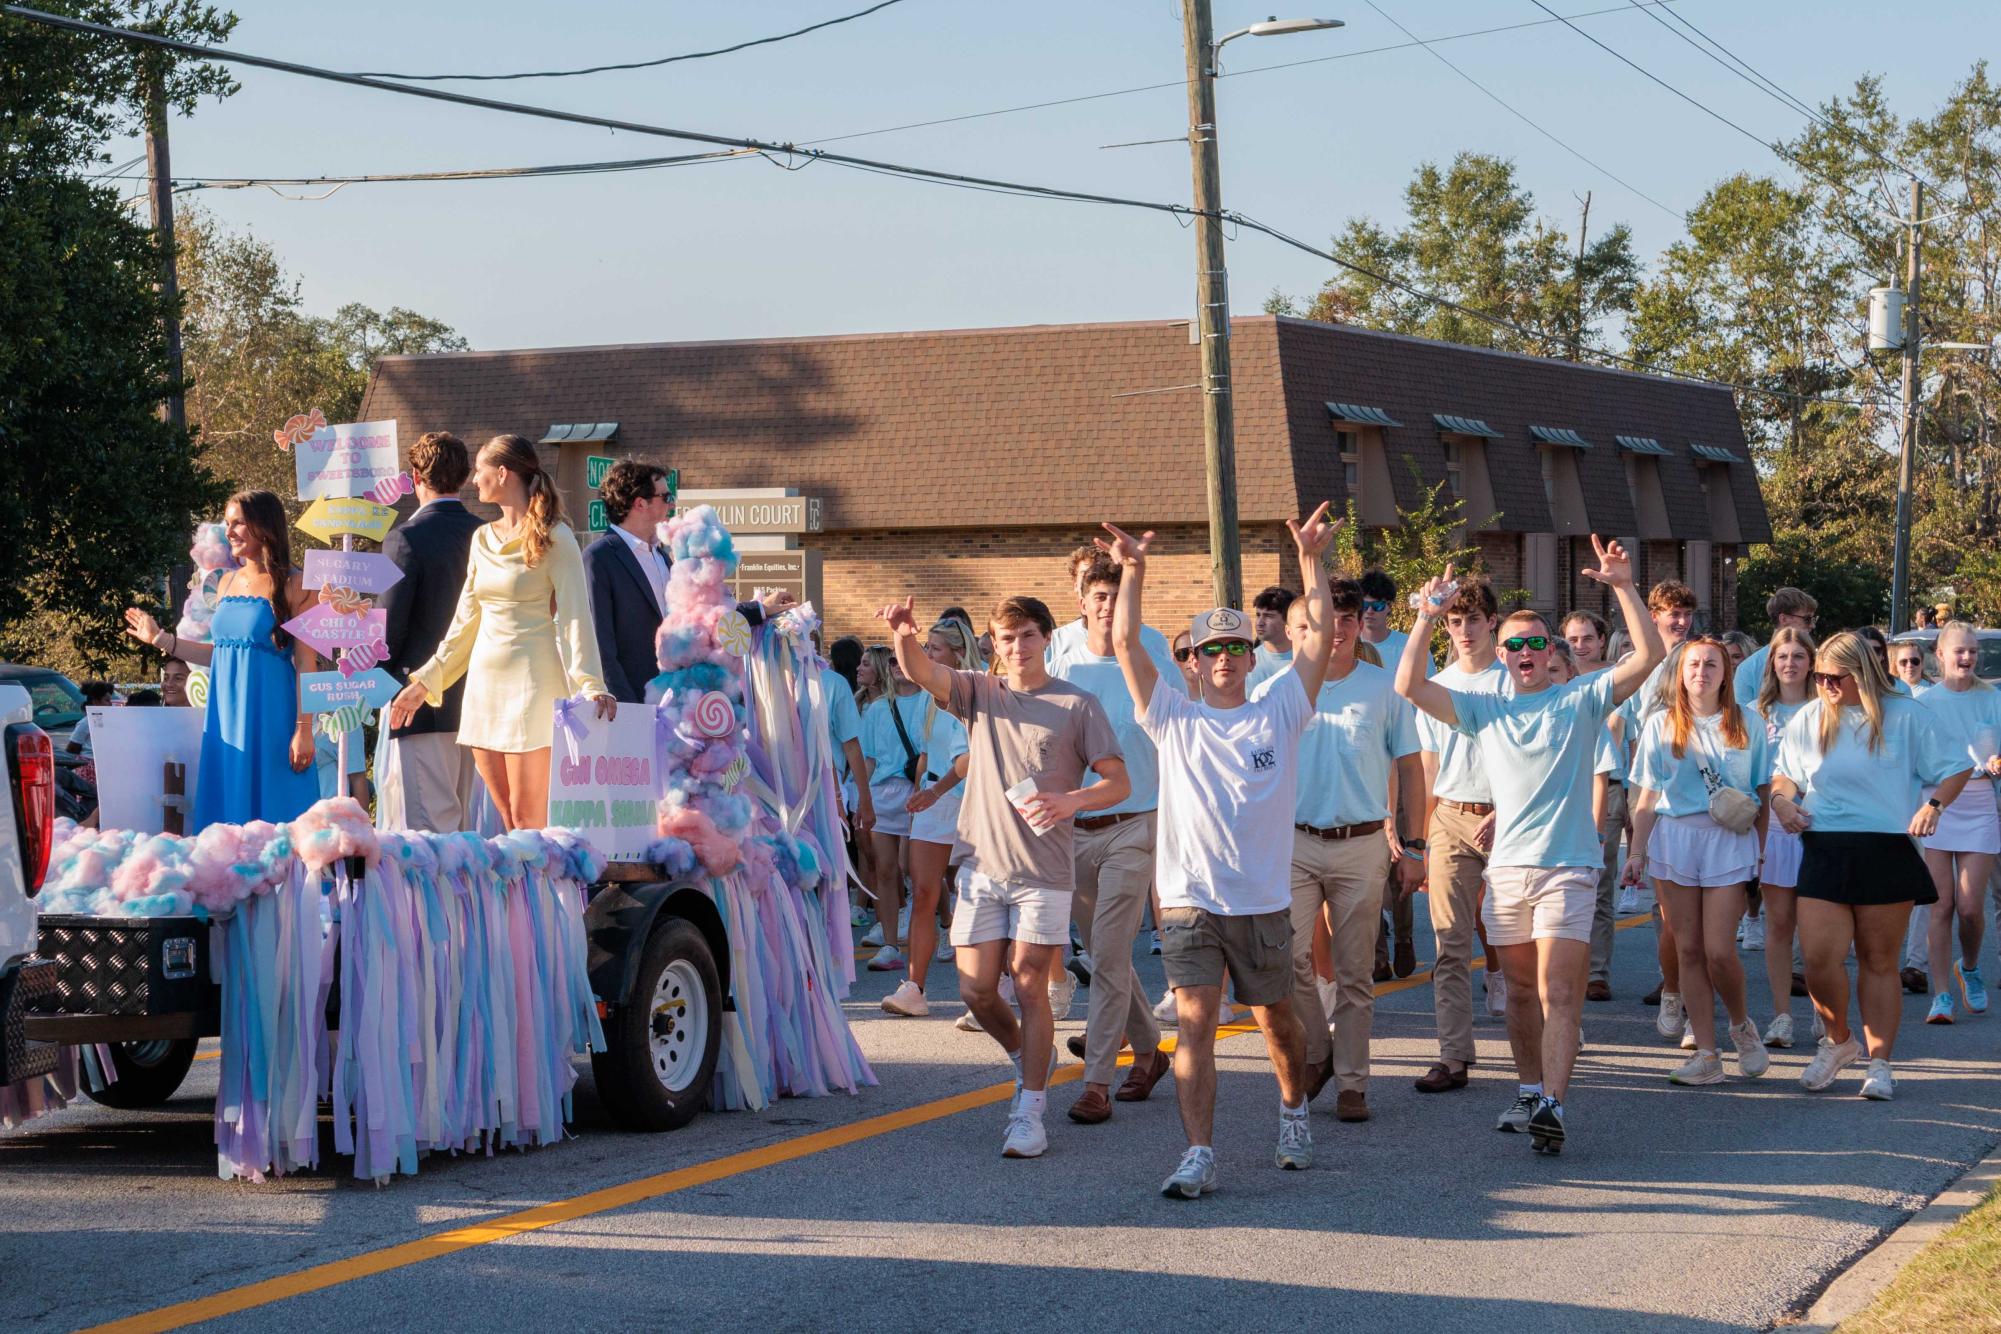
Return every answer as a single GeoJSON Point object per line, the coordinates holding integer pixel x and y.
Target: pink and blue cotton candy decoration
{"type": "Point", "coordinates": [210, 554]}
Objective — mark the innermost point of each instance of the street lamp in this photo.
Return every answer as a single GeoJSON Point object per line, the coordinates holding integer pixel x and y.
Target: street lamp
{"type": "Point", "coordinates": [1212, 290]}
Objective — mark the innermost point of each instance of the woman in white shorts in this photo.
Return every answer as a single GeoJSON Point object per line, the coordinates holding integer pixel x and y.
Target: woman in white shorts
{"type": "Point", "coordinates": [1784, 691]}
{"type": "Point", "coordinates": [934, 817]}
{"type": "Point", "coordinates": [893, 754]}
{"type": "Point", "coordinates": [1960, 855]}
{"type": "Point", "coordinates": [1689, 757]}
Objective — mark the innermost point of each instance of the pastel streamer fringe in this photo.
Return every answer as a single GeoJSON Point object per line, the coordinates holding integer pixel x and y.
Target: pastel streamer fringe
{"type": "Point", "coordinates": [77, 1069]}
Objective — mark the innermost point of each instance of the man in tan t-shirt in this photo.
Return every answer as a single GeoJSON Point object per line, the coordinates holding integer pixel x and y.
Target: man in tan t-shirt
{"type": "Point", "coordinates": [1030, 739]}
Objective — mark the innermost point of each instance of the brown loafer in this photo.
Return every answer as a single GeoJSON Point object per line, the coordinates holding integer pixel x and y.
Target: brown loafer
{"type": "Point", "coordinates": [1441, 1078]}
{"type": "Point", "coordinates": [1076, 1045]}
{"type": "Point", "coordinates": [1146, 1071]}
{"type": "Point", "coordinates": [1351, 1105]}
{"type": "Point", "coordinates": [1406, 958]}
{"type": "Point", "coordinates": [1598, 991]}
{"type": "Point", "coordinates": [1318, 1078]}
{"type": "Point", "coordinates": [1093, 1108]}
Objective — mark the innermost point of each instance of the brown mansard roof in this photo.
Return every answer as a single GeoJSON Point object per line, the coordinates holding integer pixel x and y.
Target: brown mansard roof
{"type": "Point", "coordinates": [1068, 424]}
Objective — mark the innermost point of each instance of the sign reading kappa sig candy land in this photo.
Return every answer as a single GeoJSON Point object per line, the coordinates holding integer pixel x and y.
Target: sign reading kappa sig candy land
{"type": "Point", "coordinates": [346, 460]}
{"type": "Point", "coordinates": [607, 794]}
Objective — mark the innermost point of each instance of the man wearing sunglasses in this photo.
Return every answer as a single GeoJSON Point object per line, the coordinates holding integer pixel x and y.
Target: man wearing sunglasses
{"type": "Point", "coordinates": [1228, 770]}
{"type": "Point", "coordinates": [1793, 607]}
{"type": "Point", "coordinates": [1539, 743]}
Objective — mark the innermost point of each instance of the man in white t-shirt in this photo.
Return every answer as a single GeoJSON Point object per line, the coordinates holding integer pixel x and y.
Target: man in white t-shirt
{"type": "Point", "coordinates": [1539, 744]}
{"type": "Point", "coordinates": [1068, 639]}
{"type": "Point", "coordinates": [1228, 770]}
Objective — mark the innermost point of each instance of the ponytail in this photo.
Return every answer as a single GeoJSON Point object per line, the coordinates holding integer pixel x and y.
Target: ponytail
{"type": "Point", "coordinates": [545, 506]}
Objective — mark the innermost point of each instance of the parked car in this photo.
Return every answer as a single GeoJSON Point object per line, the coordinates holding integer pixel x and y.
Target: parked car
{"type": "Point", "coordinates": [27, 817]}
{"type": "Point", "coordinates": [57, 702]}
{"type": "Point", "coordinates": [1987, 666]}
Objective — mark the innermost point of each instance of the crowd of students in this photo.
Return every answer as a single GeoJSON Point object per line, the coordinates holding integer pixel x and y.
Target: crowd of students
{"type": "Point", "coordinates": [1273, 787]}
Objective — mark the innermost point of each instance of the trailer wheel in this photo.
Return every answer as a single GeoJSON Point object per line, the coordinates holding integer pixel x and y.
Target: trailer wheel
{"type": "Point", "coordinates": [149, 1073]}
{"type": "Point", "coordinates": [661, 1045]}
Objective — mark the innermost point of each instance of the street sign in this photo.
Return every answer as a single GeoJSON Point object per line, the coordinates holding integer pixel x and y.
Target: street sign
{"type": "Point", "coordinates": [595, 468]}
{"type": "Point", "coordinates": [362, 571]}
{"type": "Point", "coordinates": [599, 521]}
{"type": "Point", "coordinates": [323, 692]}
{"type": "Point", "coordinates": [329, 517]}
{"type": "Point", "coordinates": [327, 629]}
{"type": "Point", "coordinates": [346, 460]}
{"type": "Point", "coordinates": [747, 515]}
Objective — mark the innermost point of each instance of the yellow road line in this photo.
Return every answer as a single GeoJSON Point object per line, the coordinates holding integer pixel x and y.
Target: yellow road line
{"type": "Point", "coordinates": [317, 1278]}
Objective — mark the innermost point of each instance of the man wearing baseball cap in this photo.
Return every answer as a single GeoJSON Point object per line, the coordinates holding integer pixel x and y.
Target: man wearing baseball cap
{"type": "Point", "coordinates": [1228, 770]}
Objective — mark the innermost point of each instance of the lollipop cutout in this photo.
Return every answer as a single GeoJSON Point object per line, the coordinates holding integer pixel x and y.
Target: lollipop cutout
{"type": "Point", "coordinates": [198, 688]}
{"type": "Point", "coordinates": [712, 716]}
{"type": "Point", "coordinates": [733, 633]}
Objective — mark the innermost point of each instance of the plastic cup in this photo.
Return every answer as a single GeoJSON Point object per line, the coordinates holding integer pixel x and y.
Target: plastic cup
{"type": "Point", "coordinates": [1019, 794]}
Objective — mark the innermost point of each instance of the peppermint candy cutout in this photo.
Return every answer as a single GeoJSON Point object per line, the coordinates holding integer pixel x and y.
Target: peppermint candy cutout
{"type": "Point", "coordinates": [390, 489]}
{"type": "Point", "coordinates": [360, 657]}
{"type": "Point", "coordinates": [347, 718]}
{"type": "Point", "coordinates": [733, 633]}
{"type": "Point", "coordinates": [712, 716]}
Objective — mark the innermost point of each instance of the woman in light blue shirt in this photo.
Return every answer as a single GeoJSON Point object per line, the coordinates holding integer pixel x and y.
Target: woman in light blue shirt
{"type": "Point", "coordinates": [1852, 770]}
{"type": "Point", "coordinates": [1700, 747]}
{"type": "Point", "coordinates": [892, 751]}
{"type": "Point", "coordinates": [1960, 855]}
{"type": "Point", "coordinates": [1780, 694]}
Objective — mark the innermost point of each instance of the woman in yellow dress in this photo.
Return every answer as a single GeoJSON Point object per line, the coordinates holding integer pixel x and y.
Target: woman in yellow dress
{"type": "Point", "coordinates": [521, 636]}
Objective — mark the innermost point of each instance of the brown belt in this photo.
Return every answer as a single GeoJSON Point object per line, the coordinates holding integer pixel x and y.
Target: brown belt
{"type": "Point", "coordinates": [1342, 832]}
{"type": "Point", "coordinates": [1091, 822]}
{"type": "Point", "coordinates": [1470, 807]}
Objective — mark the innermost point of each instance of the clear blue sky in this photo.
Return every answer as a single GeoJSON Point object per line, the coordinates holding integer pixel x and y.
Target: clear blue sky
{"type": "Point", "coordinates": [743, 250]}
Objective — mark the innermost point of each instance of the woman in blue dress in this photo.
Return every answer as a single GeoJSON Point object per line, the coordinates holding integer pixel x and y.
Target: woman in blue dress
{"type": "Point", "coordinates": [257, 747]}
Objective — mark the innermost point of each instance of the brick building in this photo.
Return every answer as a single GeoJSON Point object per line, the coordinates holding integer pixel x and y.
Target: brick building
{"type": "Point", "coordinates": [964, 465]}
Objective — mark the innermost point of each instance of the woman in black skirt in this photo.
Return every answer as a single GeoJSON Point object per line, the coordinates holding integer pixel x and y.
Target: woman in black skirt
{"type": "Point", "coordinates": [1850, 776]}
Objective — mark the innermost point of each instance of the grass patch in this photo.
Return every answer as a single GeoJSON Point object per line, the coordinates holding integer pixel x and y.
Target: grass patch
{"type": "Point", "coordinates": [1953, 1284]}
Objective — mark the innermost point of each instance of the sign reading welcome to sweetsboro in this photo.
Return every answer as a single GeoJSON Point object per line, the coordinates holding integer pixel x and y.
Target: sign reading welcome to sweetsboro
{"type": "Point", "coordinates": [347, 460]}
{"type": "Point", "coordinates": [607, 792]}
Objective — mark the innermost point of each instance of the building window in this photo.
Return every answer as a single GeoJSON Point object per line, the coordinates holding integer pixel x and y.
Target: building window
{"type": "Point", "coordinates": [1548, 478]}
{"type": "Point", "coordinates": [1452, 478]}
{"type": "Point", "coordinates": [1351, 460]}
{"type": "Point", "coordinates": [1633, 481]}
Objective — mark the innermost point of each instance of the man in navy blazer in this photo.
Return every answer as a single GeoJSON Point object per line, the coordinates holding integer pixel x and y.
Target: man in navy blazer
{"type": "Point", "coordinates": [627, 571]}
{"type": "Point", "coordinates": [423, 777]}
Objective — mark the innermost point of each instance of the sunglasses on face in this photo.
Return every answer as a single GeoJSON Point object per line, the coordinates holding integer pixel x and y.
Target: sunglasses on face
{"type": "Point", "coordinates": [1519, 642]}
{"type": "Point", "coordinates": [1236, 648]}
{"type": "Point", "coordinates": [1829, 680]}
{"type": "Point", "coordinates": [1373, 604]}
{"type": "Point", "coordinates": [1183, 654]}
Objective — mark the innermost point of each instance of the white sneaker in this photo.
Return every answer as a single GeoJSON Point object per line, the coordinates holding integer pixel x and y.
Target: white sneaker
{"type": "Point", "coordinates": [1497, 994]}
{"type": "Point", "coordinates": [1194, 1177]}
{"type": "Point", "coordinates": [1062, 991]}
{"type": "Point", "coordinates": [1629, 900]}
{"type": "Point", "coordinates": [888, 959]}
{"type": "Point", "coordinates": [1754, 934]}
{"type": "Point", "coordinates": [1752, 1058]}
{"type": "Point", "coordinates": [873, 937]}
{"type": "Point", "coordinates": [1156, 944]}
{"type": "Point", "coordinates": [1007, 992]}
{"type": "Point", "coordinates": [1879, 1085]}
{"type": "Point", "coordinates": [1164, 1012]}
{"type": "Point", "coordinates": [1819, 1027]}
{"type": "Point", "coordinates": [1295, 1144]}
{"type": "Point", "coordinates": [944, 953]}
{"type": "Point", "coordinates": [1829, 1059]}
{"type": "Point", "coordinates": [1687, 1036]}
{"type": "Point", "coordinates": [965, 1023]}
{"type": "Point", "coordinates": [1672, 1018]}
{"type": "Point", "coordinates": [1025, 1137]}
{"type": "Point", "coordinates": [1515, 1119]}
{"type": "Point", "coordinates": [1779, 1033]}
{"type": "Point", "coordinates": [1705, 1067]}
{"type": "Point", "coordinates": [907, 1000]}
{"type": "Point", "coordinates": [1231, 1013]}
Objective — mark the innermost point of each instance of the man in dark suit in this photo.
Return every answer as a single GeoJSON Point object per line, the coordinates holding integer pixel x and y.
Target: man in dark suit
{"type": "Point", "coordinates": [627, 571]}
{"type": "Point", "coordinates": [424, 778]}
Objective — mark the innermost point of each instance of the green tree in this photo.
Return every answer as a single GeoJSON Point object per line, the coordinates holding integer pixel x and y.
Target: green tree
{"type": "Point", "coordinates": [97, 493]}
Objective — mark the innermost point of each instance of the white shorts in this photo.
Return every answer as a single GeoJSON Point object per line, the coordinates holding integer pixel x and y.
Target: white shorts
{"type": "Point", "coordinates": [939, 823]}
{"type": "Point", "coordinates": [1527, 903]}
{"type": "Point", "coordinates": [1970, 824]}
{"type": "Point", "coordinates": [1782, 858]}
{"type": "Point", "coordinates": [889, 796]}
{"type": "Point", "coordinates": [996, 910]}
{"type": "Point", "coordinates": [1695, 850]}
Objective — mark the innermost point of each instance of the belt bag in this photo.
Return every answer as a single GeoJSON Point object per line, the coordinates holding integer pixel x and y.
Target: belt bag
{"type": "Point", "coordinates": [1727, 806]}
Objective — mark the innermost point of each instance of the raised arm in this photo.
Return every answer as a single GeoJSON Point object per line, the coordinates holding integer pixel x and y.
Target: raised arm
{"type": "Point", "coordinates": [1411, 681]}
{"type": "Point", "coordinates": [142, 627]}
{"type": "Point", "coordinates": [1311, 539]}
{"type": "Point", "coordinates": [1134, 661]}
{"type": "Point", "coordinates": [910, 654]}
{"type": "Point", "coordinates": [1615, 571]}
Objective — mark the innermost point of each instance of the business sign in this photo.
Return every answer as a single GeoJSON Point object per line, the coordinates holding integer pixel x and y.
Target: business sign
{"type": "Point", "coordinates": [362, 571]}
{"type": "Point", "coordinates": [607, 793]}
{"type": "Point", "coordinates": [327, 629]}
{"type": "Point", "coordinates": [323, 692]}
{"type": "Point", "coordinates": [346, 460]}
{"type": "Point", "coordinates": [798, 572]}
{"type": "Point", "coordinates": [131, 792]}
{"type": "Point", "coordinates": [748, 515]}
{"type": "Point", "coordinates": [596, 466]}
{"type": "Point", "coordinates": [328, 517]}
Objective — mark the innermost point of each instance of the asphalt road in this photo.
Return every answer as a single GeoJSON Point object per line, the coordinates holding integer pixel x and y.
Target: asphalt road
{"type": "Point", "coordinates": [1671, 1209]}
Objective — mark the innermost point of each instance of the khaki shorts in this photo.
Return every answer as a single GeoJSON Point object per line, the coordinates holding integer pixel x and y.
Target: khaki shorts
{"type": "Point", "coordinates": [1527, 903]}
{"type": "Point", "coordinates": [1196, 946]}
{"type": "Point", "coordinates": [989, 909]}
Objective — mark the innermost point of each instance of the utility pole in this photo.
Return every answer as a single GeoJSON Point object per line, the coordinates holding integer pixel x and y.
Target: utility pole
{"type": "Point", "coordinates": [160, 177]}
{"type": "Point", "coordinates": [1900, 565]}
{"type": "Point", "coordinates": [1212, 299]}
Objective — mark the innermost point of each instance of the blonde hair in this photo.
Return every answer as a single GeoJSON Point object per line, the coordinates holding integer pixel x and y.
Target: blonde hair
{"type": "Point", "coordinates": [1768, 684]}
{"type": "Point", "coordinates": [545, 506]}
{"type": "Point", "coordinates": [1681, 709]}
{"type": "Point", "coordinates": [883, 661]}
{"type": "Point", "coordinates": [1938, 646]}
{"type": "Point", "coordinates": [959, 632]}
{"type": "Point", "coordinates": [1851, 653]}
{"type": "Point", "coordinates": [1670, 673]}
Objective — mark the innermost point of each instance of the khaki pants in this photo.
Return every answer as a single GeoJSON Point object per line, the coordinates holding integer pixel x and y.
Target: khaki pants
{"type": "Point", "coordinates": [1611, 834]}
{"type": "Point", "coordinates": [1347, 876]}
{"type": "Point", "coordinates": [1453, 870]}
{"type": "Point", "coordinates": [1114, 868]}
{"type": "Point", "coordinates": [424, 782]}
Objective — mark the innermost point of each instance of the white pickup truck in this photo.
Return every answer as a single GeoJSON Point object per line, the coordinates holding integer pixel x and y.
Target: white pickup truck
{"type": "Point", "coordinates": [27, 821]}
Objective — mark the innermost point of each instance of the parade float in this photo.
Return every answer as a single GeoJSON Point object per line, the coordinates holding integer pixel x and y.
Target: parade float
{"type": "Point", "coordinates": [431, 992]}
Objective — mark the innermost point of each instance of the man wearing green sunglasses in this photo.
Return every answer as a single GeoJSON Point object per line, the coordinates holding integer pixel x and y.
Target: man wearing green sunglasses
{"type": "Point", "coordinates": [1538, 743]}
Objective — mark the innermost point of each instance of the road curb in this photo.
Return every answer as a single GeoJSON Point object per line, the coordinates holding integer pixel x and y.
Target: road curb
{"type": "Point", "coordinates": [1855, 1287]}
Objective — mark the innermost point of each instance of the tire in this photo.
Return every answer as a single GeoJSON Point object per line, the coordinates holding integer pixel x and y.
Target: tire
{"type": "Point", "coordinates": [661, 1045]}
{"type": "Point", "coordinates": [149, 1073]}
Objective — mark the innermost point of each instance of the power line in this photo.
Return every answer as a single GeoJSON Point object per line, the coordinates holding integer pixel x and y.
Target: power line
{"type": "Point", "coordinates": [184, 184]}
{"type": "Point", "coordinates": [636, 64]}
{"type": "Point", "coordinates": [1518, 115]}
